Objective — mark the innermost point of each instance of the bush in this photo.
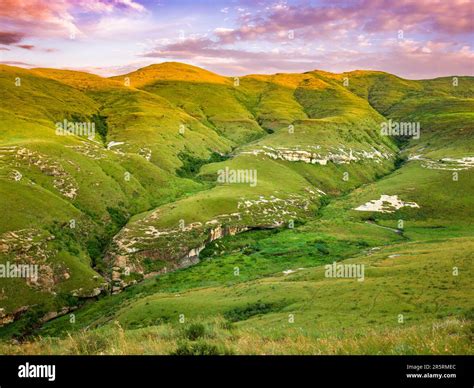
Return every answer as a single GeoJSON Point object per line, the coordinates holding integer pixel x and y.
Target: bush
{"type": "Point", "coordinates": [101, 125]}
{"type": "Point", "coordinates": [118, 216]}
{"type": "Point", "coordinates": [362, 243]}
{"type": "Point", "coordinates": [322, 248]}
{"type": "Point", "coordinates": [243, 313]}
{"type": "Point", "coordinates": [91, 343]}
{"type": "Point", "coordinates": [66, 299]}
{"type": "Point", "coordinates": [195, 331]}
{"type": "Point", "coordinates": [192, 165]}
{"type": "Point", "coordinates": [29, 321]}
{"type": "Point", "coordinates": [324, 201]}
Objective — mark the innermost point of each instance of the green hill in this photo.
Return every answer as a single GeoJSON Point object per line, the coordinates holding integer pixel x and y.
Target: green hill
{"type": "Point", "coordinates": [221, 200]}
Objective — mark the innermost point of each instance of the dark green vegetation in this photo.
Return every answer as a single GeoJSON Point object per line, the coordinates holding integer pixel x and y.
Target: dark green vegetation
{"type": "Point", "coordinates": [200, 265]}
{"type": "Point", "coordinates": [192, 165]}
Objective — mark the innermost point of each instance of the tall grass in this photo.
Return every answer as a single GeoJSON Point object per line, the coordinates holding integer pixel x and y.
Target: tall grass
{"type": "Point", "coordinates": [449, 336]}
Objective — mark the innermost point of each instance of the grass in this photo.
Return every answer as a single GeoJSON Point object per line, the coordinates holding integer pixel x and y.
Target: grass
{"type": "Point", "coordinates": [448, 336]}
{"type": "Point", "coordinates": [237, 299]}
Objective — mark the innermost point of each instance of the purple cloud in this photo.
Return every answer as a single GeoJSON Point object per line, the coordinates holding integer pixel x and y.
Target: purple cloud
{"type": "Point", "coordinates": [9, 38]}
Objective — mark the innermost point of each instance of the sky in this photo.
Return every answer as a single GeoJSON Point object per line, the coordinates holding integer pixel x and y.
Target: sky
{"type": "Point", "coordinates": [414, 39]}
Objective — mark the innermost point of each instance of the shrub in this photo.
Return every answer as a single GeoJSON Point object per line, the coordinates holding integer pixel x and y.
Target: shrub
{"type": "Point", "coordinates": [194, 331]}
{"type": "Point", "coordinates": [362, 243]}
{"type": "Point", "coordinates": [118, 216]}
{"type": "Point", "coordinates": [243, 313]}
{"type": "Point", "coordinates": [192, 165]}
{"type": "Point", "coordinates": [322, 248]}
{"type": "Point", "coordinates": [91, 343]}
{"type": "Point", "coordinates": [101, 125]}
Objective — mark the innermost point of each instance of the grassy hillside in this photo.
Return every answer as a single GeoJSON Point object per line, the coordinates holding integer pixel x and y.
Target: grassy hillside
{"type": "Point", "coordinates": [214, 100]}
{"type": "Point", "coordinates": [314, 155]}
{"type": "Point", "coordinates": [57, 181]}
{"type": "Point", "coordinates": [214, 265]}
{"type": "Point", "coordinates": [294, 312]}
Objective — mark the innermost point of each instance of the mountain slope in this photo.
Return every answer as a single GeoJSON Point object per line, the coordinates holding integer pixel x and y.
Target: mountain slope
{"type": "Point", "coordinates": [151, 193]}
{"type": "Point", "coordinates": [214, 100]}
{"type": "Point", "coordinates": [312, 156]}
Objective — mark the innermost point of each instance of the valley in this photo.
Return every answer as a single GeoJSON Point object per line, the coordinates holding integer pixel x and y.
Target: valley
{"type": "Point", "coordinates": [142, 249]}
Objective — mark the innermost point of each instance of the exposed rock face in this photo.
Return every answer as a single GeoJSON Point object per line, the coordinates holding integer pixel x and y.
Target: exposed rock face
{"type": "Point", "coordinates": [29, 247]}
{"type": "Point", "coordinates": [448, 164]}
{"type": "Point", "coordinates": [89, 149]}
{"type": "Point", "coordinates": [144, 241]}
{"type": "Point", "coordinates": [386, 204]}
{"type": "Point", "coordinates": [9, 318]}
{"type": "Point", "coordinates": [62, 180]}
{"type": "Point", "coordinates": [317, 156]}
{"type": "Point", "coordinates": [216, 233]}
{"type": "Point", "coordinates": [2, 317]}
{"type": "Point", "coordinates": [88, 294]}
{"type": "Point", "coordinates": [191, 258]}
{"type": "Point", "coordinates": [54, 314]}
{"type": "Point", "coordinates": [130, 261]}
{"type": "Point", "coordinates": [27, 254]}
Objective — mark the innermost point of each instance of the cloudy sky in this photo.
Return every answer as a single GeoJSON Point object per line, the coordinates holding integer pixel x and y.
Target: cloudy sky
{"type": "Point", "coordinates": [410, 38]}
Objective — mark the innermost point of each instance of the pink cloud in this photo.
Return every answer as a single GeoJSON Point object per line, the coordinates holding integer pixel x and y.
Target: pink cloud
{"type": "Point", "coordinates": [36, 18]}
{"type": "Point", "coordinates": [445, 17]}
{"type": "Point", "coordinates": [253, 36]}
{"type": "Point", "coordinates": [410, 59]}
{"type": "Point", "coordinates": [26, 46]}
{"type": "Point", "coordinates": [438, 16]}
{"type": "Point", "coordinates": [10, 37]}
{"type": "Point", "coordinates": [17, 63]}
